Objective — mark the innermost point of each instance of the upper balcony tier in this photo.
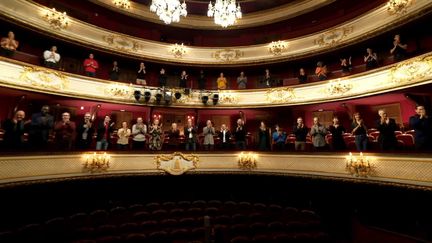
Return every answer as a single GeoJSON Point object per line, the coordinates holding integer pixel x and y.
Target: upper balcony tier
{"type": "Point", "coordinates": [353, 31]}
{"type": "Point", "coordinates": [412, 72]}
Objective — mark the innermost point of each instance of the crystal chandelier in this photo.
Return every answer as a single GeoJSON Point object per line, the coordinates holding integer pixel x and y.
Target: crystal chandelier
{"type": "Point", "coordinates": [168, 10]}
{"type": "Point", "coordinates": [122, 4]}
{"type": "Point", "coordinates": [56, 19]}
{"type": "Point", "coordinates": [398, 6]}
{"type": "Point", "coordinates": [225, 12]}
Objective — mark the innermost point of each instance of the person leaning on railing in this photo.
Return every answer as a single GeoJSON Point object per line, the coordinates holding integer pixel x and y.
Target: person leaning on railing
{"type": "Point", "coordinates": [9, 44]}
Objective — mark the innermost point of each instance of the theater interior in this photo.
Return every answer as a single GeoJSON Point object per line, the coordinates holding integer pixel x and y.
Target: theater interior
{"type": "Point", "coordinates": [272, 189]}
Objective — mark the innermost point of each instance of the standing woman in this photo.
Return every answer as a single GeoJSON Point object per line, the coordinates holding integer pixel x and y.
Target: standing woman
{"type": "Point", "coordinates": [360, 132]}
{"type": "Point", "coordinates": [155, 132]}
{"type": "Point", "coordinates": [141, 75]}
{"type": "Point", "coordinates": [183, 79]}
{"type": "Point", "coordinates": [263, 137]}
{"type": "Point", "coordinates": [221, 82]}
{"type": "Point", "coordinates": [337, 131]}
{"type": "Point", "coordinates": [123, 136]}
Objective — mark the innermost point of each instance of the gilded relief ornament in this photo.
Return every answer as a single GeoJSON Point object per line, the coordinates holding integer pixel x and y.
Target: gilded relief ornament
{"type": "Point", "coordinates": [119, 91]}
{"type": "Point", "coordinates": [399, 6]}
{"type": "Point", "coordinates": [280, 95]}
{"type": "Point", "coordinates": [247, 161]}
{"type": "Point", "coordinates": [176, 163]}
{"type": "Point", "coordinates": [338, 87]}
{"type": "Point", "coordinates": [227, 55]}
{"type": "Point", "coordinates": [39, 77]}
{"type": "Point", "coordinates": [122, 43]}
{"type": "Point", "coordinates": [412, 70]}
{"type": "Point", "coordinates": [333, 37]}
{"type": "Point", "coordinates": [226, 97]}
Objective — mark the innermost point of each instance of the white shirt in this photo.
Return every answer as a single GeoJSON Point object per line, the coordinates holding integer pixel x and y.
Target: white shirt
{"type": "Point", "coordinates": [223, 136]}
{"type": "Point", "coordinates": [190, 132]}
{"type": "Point", "coordinates": [50, 56]}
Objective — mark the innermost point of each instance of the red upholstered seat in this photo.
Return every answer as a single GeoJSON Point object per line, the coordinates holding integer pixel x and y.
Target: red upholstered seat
{"type": "Point", "coordinates": [407, 139]}
{"type": "Point", "coordinates": [375, 134]}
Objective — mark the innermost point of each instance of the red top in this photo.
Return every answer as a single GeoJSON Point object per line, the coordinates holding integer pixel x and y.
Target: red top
{"type": "Point", "coordinates": [90, 65]}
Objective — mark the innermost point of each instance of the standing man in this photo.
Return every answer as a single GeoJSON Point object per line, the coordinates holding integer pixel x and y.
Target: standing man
{"type": "Point", "coordinates": [240, 135]}
{"type": "Point", "coordinates": [40, 127]}
{"type": "Point", "coordinates": [387, 127]}
{"type": "Point", "coordinates": [422, 125]}
{"type": "Point", "coordinates": [300, 131]}
{"type": "Point", "coordinates": [279, 138]}
{"type": "Point", "coordinates": [104, 132]}
{"type": "Point", "coordinates": [14, 131]}
{"type": "Point", "coordinates": [209, 132]}
{"type": "Point", "coordinates": [318, 133]}
{"type": "Point", "coordinates": [190, 133]}
{"type": "Point", "coordinates": [51, 58]}
{"type": "Point", "coordinates": [85, 133]}
{"type": "Point", "coordinates": [224, 136]}
{"type": "Point", "coordinates": [90, 66]}
{"type": "Point", "coordinates": [139, 130]}
{"type": "Point", "coordinates": [65, 132]}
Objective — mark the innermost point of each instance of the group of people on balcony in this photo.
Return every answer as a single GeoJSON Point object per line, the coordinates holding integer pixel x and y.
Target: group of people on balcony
{"type": "Point", "coordinates": [67, 135]}
{"type": "Point", "coordinates": [91, 65]}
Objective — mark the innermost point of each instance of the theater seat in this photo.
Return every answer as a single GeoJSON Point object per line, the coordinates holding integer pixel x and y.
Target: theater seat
{"type": "Point", "coordinates": [407, 139]}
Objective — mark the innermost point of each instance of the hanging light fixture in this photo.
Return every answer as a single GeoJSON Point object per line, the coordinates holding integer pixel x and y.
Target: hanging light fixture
{"type": "Point", "coordinates": [225, 12]}
{"type": "Point", "coordinates": [168, 10]}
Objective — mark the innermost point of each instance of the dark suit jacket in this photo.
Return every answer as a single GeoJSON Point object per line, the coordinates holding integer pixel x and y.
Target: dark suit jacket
{"type": "Point", "coordinates": [423, 130]}
{"type": "Point", "coordinates": [227, 136]}
{"type": "Point", "coordinates": [240, 134]}
{"type": "Point", "coordinates": [194, 134]}
{"type": "Point", "coordinates": [80, 130]}
{"type": "Point", "coordinates": [387, 135]}
{"type": "Point", "coordinates": [101, 131]}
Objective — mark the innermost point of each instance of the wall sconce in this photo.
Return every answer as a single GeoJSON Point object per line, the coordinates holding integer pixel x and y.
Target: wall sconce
{"type": "Point", "coordinates": [56, 19]}
{"type": "Point", "coordinates": [96, 162]}
{"type": "Point", "coordinates": [277, 47]}
{"type": "Point", "coordinates": [191, 118]}
{"type": "Point", "coordinates": [359, 166]}
{"type": "Point", "coordinates": [157, 117]}
{"type": "Point", "coordinates": [398, 6]}
{"type": "Point", "coordinates": [178, 50]}
{"type": "Point", "coordinates": [122, 4]}
{"type": "Point", "coordinates": [247, 161]}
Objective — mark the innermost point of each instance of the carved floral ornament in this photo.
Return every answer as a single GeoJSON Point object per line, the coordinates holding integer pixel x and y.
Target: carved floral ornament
{"type": "Point", "coordinates": [338, 87]}
{"type": "Point", "coordinates": [44, 78]}
{"type": "Point", "coordinates": [227, 55]}
{"type": "Point", "coordinates": [413, 70]}
{"type": "Point", "coordinates": [333, 37]}
{"type": "Point", "coordinates": [176, 163]}
{"type": "Point", "coordinates": [280, 95]}
{"type": "Point", "coordinates": [226, 97]}
{"type": "Point", "coordinates": [122, 43]}
{"type": "Point", "coordinates": [119, 91]}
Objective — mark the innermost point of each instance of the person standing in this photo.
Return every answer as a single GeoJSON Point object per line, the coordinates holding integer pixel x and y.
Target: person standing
{"type": "Point", "coordinates": [209, 132]}
{"type": "Point", "coordinates": [190, 133]}
{"type": "Point", "coordinates": [263, 137]}
{"type": "Point", "coordinates": [318, 133]}
{"type": "Point", "coordinates": [85, 133]}
{"type": "Point", "coordinates": [40, 128]}
{"type": "Point", "coordinates": [90, 66]}
{"type": "Point", "coordinates": [65, 132]}
{"type": "Point", "coordinates": [240, 135]}
{"type": "Point", "coordinates": [162, 78]}
{"type": "Point", "coordinates": [115, 72]}
{"type": "Point", "coordinates": [9, 44]}
{"type": "Point", "coordinates": [221, 82]}
{"type": "Point", "coordinates": [224, 135]}
{"type": "Point", "coordinates": [202, 80]}
{"type": "Point", "coordinates": [241, 81]}
{"type": "Point", "coordinates": [321, 71]}
{"type": "Point", "coordinates": [337, 131]}
{"type": "Point", "coordinates": [139, 131]}
{"type": "Point", "coordinates": [399, 50]}
{"type": "Point", "coordinates": [155, 131]}
{"type": "Point", "coordinates": [183, 79]}
{"type": "Point", "coordinates": [123, 136]}
{"type": "Point", "coordinates": [387, 127]}
{"type": "Point", "coordinates": [141, 75]}
{"type": "Point", "coordinates": [279, 138]}
{"type": "Point", "coordinates": [302, 77]}
{"type": "Point", "coordinates": [360, 132]}
{"type": "Point", "coordinates": [300, 131]}
{"type": "Point", "coordinates": [371, 59]}
{"type": "Point", "coordinates": [174, 135]}
{"type": "Point", "coordinates": [422, 125]}
{"type": "Point", "coordinates": [14, 131]}
{"type": "Point", "coordinates": [267, 79]}
{"type": "Point", "coordinates": [104, 132]}
{"type": "Point", "coordinates": [51, 58]}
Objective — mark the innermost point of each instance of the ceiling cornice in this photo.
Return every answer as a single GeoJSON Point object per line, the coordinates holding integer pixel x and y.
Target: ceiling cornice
{"type": "Point", "coordinates": [265, 17]}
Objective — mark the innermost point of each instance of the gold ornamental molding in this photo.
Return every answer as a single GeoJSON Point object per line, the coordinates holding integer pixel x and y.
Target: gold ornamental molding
{"type": "Point", "coordinates": [228, 97]}
{"type": "Point", "coordinates": [119, 91]}
{"type": "Point", "coordinates": [280, 95]}
{"type": "Point", "coordinates": [227, 55]}
{"type": "Point", "coordinates": [248, 161]}
{"type": "Point", "coordinates": [412, 70]}
{"type": "Point", "coordinates": [121, 43]}
{"type": "Point", "coordinates": [372, 23]}
{"type": "Point", "coordinates": [176, 163]}
{"type": "Point", "coordinates": [334, 37]}
{"type": "Point", "coordinates": [399, 6]}
{"type": "Point", "coordinates": [338, 87]}
{"type": "Point", "coordinates": [43, 78]}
